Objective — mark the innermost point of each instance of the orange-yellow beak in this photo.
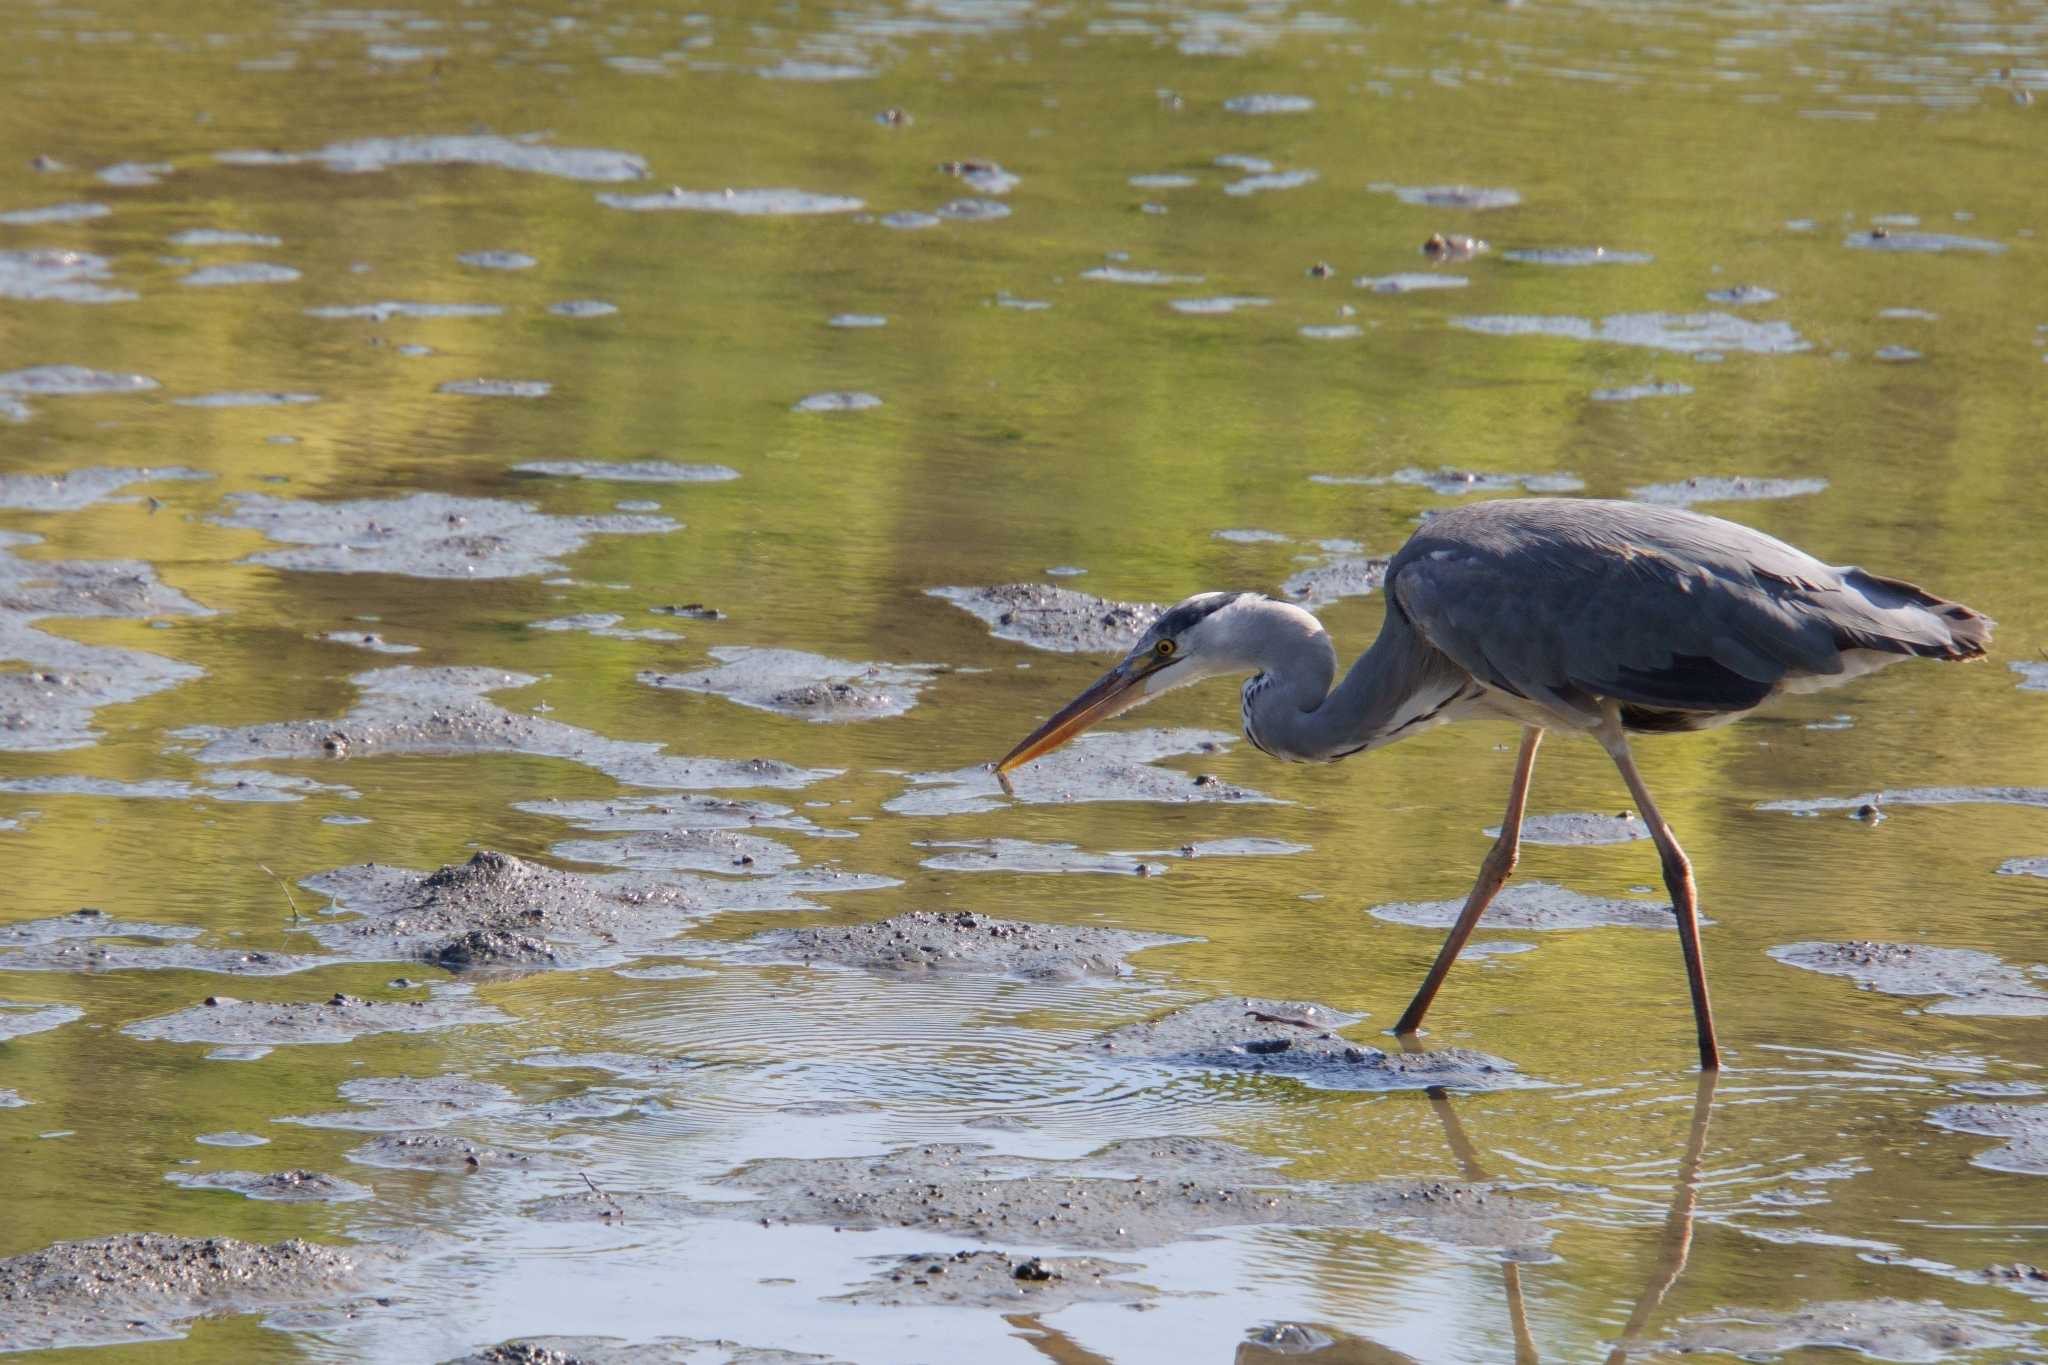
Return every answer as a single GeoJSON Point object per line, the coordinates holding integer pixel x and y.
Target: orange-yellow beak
{"type": "Point", "coordinates": [1111, 694]}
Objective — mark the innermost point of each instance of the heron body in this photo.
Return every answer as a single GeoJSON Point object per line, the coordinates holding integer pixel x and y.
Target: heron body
{"type": "Point", "coordinates": [1606, 618]}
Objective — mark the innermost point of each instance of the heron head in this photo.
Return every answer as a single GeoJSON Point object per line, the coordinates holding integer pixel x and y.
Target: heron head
{"type": "Point", "coordinates": [1196, 639]}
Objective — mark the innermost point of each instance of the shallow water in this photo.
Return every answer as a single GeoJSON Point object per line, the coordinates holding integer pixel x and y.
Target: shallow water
{"type": "Point", "coordinates": [272, 400]}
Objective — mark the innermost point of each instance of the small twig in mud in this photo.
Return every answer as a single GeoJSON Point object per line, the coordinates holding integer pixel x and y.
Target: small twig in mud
{"type": "Point", "coordinates": [603, 1194]}
{"type": "Point", "coordinates": [296, 916]}
{"type": "Point", "coordinates": [1265, 1018]}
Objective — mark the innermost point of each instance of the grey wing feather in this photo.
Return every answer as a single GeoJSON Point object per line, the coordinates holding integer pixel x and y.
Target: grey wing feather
{"type": "Point", "coordinates": [1568, 601]}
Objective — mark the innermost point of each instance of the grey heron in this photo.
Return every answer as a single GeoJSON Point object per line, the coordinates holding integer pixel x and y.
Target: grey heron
{"type": "Point", "coordinates": [1601, 618]}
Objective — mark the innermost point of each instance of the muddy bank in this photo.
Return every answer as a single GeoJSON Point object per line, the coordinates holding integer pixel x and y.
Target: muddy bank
{"type": "Point", "coordinates": [76, 488]}
{"type": "Point", "coordinates": [994, 1279]}
{"type": "Point", "coordinates": [497, 911]}
{"type": "Point", "coordinates": [525, 152]}
{"type": "Point", "coordinates": [339, 1019]}
{"type": "Point", "coordinates": [1450, 482]}
{"type": "Point", "coordinates": [1111, 765]}
{"type": "Point", "coordinates": [1885, 1329]}
{"type": "Point", "coordinates": [2024, 1126]}
{"type": "Point", "coordinates": [144, 1286]}
{"type": "Point", "coordinates": [408, 710]}
{"type": "Point", "coordinates": [93, 941]}
{"type": "Point", "coordinates": [1019, 855]}
{"type": "Point", "coordinates": [682, 850]}
{"type": "Point", "coordinates": [616, 1351]}
{"type": "Point", "coordinates": [1533, 906]}
{"type": "Point", "coordinates": [1053, 618]}
{"type": "Point", "coordinates": [668, 813]}
{"type": "Point", "coordinates": [1686, 492]}
{"type": "Point", "coordinates": [19, 1020]}
{"type": "Point", "coordinates": [1296, 1039]}
{"type": "Point", "coordinates": [396, 1104]}
{"type": "Point", "coordinates": [1579, 829]}
{"type": "Point", "coordinates": [605, 625]}
{"type": "Point", "coordinates": [1142, 1192]}
{"type": "Point", "coordinates": [281, 1187]}
{"type": "Point", "coordinates": [959, 941]}
{"type": "Point", "coordinates": [50, 705]}
{"type": "Point", "coordinates": [790, 682]}
{"type": "Point", "coordinates": [1974, 983]}
{"type": "Point", "coordinates": [424, 535]}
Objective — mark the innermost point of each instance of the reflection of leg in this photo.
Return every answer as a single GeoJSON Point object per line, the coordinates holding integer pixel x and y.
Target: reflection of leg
{"type": "Point", "coordinates": [1677, 1245]}
{"type": "Point", "coordinates": [1500, 861]}
{"type": "Point", "coordinates": [1051, 1342]}
{"type": "Point", "coordinates": [1467, 1153]}
{"type": "Point", "coordinates": [1678, 881]}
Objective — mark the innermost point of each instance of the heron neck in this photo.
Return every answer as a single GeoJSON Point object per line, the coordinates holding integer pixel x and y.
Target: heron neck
{"type": "Point", "coordinates": [1391, 692]}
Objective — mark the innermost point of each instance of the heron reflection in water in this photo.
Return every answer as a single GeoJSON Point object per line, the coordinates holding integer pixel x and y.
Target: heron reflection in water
{"type": "Point", "coordinates": [1597, 618]}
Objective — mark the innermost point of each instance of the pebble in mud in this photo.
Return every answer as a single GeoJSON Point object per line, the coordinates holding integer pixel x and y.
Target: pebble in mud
{"type": "Point", "coordinates": [145, 1286]}
{"type": "Point", "coordinates": [370, 640]}
{"type": "Point", "coordinates": [1974, 983]}
{"type": "Point", "coordinates": [50, 706]}
{"type": "Point", "coordinates": [340, 1019]}
{"type": "Point", "coordinates": [408, 710]}
{"type": "Point", "coordinates": [19, 1019]}
{"type": "Point", "coordinates": [1142, 1192]}
{"type": "Point", "coordinates": [1053, 618]}
{"type": "Point", "coordinates": [959, 941]}
{"type": "Point", "coordinates": [998, 1280]}
{"type": "Point", "coordinates": [558, 1350]}
{"type": "Point", "coordinates": [630, 471]}
{"type": "Point", "coordinates": [1686, 492]}
{"type": "Point", "coordinates": [425, 535]}
{"type": "Point", "coordinates": [297, 1186]}
{"type": "Point", "coordinates": [2024, 1126]}
{"type": "Point", "coordinates": [1299, 1040]}
{"type": "Point", "coordinates": [1020, 855]}
{"type": "Point", "coordinates": [1114, 765]}
{"type": "Point", "coordinates": [1884, 1329]}
{"type": "Point", "coordinates": [1533, 906]}
{"type": "Point", "coordinates": [791, 682]}
{"type": "Point", "coordinates": [1580, 829]}
{"type": "Point", "coordinates": [76, 488]}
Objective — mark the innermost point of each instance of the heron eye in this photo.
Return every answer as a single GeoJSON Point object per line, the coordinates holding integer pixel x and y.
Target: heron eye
{"type": "Point", "coordinates": [1164, 649]}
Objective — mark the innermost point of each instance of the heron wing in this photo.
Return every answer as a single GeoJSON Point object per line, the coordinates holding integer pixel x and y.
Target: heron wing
{"type": "Point", "coordinates": [1568, 601]}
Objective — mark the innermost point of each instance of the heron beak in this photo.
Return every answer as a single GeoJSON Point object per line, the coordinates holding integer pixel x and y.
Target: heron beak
{"type": "Point", "coordinates": [1111, 694]}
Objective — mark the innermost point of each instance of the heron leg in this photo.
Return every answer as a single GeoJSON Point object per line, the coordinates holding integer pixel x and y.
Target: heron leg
{"type": "Point", "coordinates": [1493, 874]}
{"type": "Point", "coordinates": [1678, 881]}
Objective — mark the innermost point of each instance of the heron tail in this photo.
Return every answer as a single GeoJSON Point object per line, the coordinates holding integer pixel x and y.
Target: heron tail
{"type": "Point", "coordinates": [1903, 618]}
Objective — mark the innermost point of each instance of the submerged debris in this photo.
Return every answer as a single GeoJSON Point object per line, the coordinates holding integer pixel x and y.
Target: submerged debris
{"type": "Point", "coordinates": [1114, 765]}
{"type": "Point", "coordinates": [50, 705]}
{"type": "Point", "coordinates": [1053, 618]}
{"type": "Point", "coordinates": [2024, 1126]}
{"type": "Point", "coordinates": [960, 941]}
{"type": "Point", "coordinates": [1138, 1193]}
{"type": "Point", "coordinates": [1300, 1040]}
{"type": "Point", "coordinates": [1976, 983]}
{"type": "Point", "coordinates": [1533, 906]}
{"type": "Point", "coordinates": [424, 535]}
{"type": "Point", "coordinates": [791, 682]}
{"type": "Point", "coordinates": [284, 1187]}
{"type": "Point", "coordinates": [993, 1279]}
{"type": "Point", "coordinates": [408, 710]}
{"type": "Point", "coordinates": [340, 1019]}
{"type": "Point", "coordinates": [1885, 1329]}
